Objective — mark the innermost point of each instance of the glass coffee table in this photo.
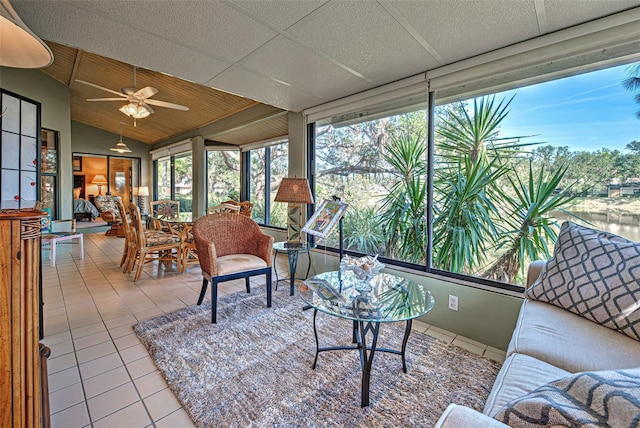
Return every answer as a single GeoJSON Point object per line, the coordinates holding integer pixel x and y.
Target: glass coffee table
{"type": "Point", "coordinates": [384, 298]}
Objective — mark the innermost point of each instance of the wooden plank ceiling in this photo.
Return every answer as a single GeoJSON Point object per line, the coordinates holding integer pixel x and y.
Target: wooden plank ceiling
{"type": "Point", "coordinates": [206, 105]}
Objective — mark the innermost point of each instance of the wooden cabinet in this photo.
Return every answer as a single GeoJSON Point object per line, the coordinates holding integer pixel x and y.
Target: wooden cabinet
{"type": "Point", "coordinates": [22, 368]}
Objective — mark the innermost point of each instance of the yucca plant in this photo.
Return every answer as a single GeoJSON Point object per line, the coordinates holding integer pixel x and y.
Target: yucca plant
{"type": "Point", "coordinates": [531, 227]}
{"type": "Point", "coordinates": [403, 217]}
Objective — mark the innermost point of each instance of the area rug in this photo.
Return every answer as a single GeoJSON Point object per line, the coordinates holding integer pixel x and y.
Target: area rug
{"type": "Point", "coordinates": [253, 368]}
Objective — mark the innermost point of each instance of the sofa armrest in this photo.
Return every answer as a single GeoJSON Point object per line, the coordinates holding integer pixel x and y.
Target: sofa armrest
{"type": "Point", "coordinates": [460, 416]}
{"type": "Point", "coordinates": [534, 271]}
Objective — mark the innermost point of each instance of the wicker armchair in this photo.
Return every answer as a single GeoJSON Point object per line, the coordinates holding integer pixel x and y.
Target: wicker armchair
{"type": "Point", "coordinates": [109, 212]}
{"type": "Point", "coordinates": [231, 246]}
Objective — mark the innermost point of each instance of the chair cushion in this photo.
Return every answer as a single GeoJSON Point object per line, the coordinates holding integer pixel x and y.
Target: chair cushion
{"type": "Point", "coordinates": [593, 274]}
{"type": "Point", "coordinates": [602, 399]}
{"type": "Point", "coordinates": [519, 375]}
{"type": "Point", "coordinates": [156, 239]}
{"type": "Point", "coordinates": [568, 341]}
{"type": "Point", "coordinates": [238, 263]}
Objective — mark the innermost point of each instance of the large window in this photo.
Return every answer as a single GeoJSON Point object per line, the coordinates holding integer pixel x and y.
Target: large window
{"type": "Point", "coordinates": [173, 179]}
{"type": "Point", "coordinates": [508, 168]}
{"type": "Point", "coordinates": [267, 167]}
{"type": "Point", "coordinates": [223, 176]}
{"type": "Point", "coordinates": [49, 172]}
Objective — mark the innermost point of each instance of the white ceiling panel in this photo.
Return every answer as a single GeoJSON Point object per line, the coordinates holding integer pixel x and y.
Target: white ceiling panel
{"type": "Point", "coordinates": [239, 81]}
{"type": "Point", "coordinates": [366, 39]}
{"type": "Point", "coordinates": [459, 29]}
{"type": "Point", "coordinates": [291, 63]}
{"type": "Point", "coordinates": [280, 13]}
{"type": "Point", "coordinates": [564, 13]}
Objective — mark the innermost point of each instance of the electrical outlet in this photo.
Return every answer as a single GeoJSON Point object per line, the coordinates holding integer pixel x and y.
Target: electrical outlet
{"type": "Point", "coordinates": [453, 302]}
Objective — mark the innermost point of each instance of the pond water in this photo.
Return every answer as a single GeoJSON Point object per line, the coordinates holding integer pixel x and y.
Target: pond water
{"type": "Point", "coordinates": [625, 225]}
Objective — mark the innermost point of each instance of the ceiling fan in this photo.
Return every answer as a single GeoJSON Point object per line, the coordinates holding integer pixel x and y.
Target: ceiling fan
{"type": "Point", "coordinates": [139, 101]}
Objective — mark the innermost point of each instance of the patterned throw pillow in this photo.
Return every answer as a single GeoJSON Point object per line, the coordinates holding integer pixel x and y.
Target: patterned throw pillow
{"type": "Point", "coordinates": [588, 399]}
{"type": "Point", "coordinates": [593, 274]}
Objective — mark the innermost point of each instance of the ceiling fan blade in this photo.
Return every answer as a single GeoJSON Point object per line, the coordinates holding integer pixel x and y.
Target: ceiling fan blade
{"type": "Point", "coordinates": [146, 92]}
{"type": "Point", "coordinates": [147, 106]}
{"type": "Point", "coordinates": [167, 105]}
{"type": "Point", "coordinates": [104, 99]}
{"type": "Point", "coordinates": [100, 87]}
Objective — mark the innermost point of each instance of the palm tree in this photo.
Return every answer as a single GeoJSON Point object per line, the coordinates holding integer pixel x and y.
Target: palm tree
{"type": "Point", "coordinates": [632, 82]}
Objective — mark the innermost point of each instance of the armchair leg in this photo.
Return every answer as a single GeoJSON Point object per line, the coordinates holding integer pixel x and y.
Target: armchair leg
{"type": "Point", "coordinates": [203, 291]}
{"type": "Point", "coordinates": [214, 301]}
{"type": "Point", "coordinates": [248, 283]}
{"type": "Point", "coordinates": [268, 288]}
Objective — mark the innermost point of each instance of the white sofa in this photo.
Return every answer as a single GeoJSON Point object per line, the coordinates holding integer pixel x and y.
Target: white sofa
{"type": "Point", "coordinates": [548, 343]}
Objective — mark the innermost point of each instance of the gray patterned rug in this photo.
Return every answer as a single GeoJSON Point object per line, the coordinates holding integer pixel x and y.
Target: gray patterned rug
{"type": "Point", "coordinates": [253, 368]}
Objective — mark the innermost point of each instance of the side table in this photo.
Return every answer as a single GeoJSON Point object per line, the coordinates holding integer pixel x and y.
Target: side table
{"type": "Point", "coordinates": [293, 251]}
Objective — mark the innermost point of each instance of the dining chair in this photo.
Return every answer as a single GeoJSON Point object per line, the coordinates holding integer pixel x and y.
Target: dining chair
{"type": "Point", "coordinates": [231, 246]}
{"type": "Point", "coordinates": [246, 207]}
{"type": "Point", "coordinates": [129, 252]}
{"type": "Point", "coordinates": [223, 208]}
{"type": "Point", "coordinates": [165, 209]}
{"type": "Point", "coordinates": [156, 246]}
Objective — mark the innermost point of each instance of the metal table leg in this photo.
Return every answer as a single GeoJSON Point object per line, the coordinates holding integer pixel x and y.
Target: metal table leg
{"type": "Point", "coordinates": [293, 265]}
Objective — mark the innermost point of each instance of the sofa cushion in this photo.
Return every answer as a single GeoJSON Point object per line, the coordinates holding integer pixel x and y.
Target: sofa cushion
{"type": "Point", "coordinates": [603, 399]}
{"type": "Point", "coordinates": [593, 274]}
{"type": "Point", "coordinates": [519, 375]}
{"type": "Point", "coordinates": [567, 340]}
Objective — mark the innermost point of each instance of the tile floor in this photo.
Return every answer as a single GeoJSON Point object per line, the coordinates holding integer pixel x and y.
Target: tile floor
{"type": "Point", "coordinates": [100, 375]}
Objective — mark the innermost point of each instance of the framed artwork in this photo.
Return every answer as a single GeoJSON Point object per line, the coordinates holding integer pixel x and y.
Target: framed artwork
{"type": "Point", "coordinates": [77, 163]}
{"type": "Point", "coordinates": [325, 219]}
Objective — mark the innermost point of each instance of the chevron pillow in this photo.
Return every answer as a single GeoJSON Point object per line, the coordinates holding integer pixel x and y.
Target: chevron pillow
{"type": "Point", "coordinates": [594, 399]}
{"type": "Point", "coordinates": [593, 274]}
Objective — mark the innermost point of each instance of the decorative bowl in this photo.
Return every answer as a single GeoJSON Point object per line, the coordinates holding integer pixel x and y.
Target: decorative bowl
{"type": "Point", "coordinates": [364, 268]}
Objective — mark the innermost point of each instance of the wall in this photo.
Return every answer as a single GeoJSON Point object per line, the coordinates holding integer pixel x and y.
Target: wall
{"type": "Point", "coordinates": [55, 103]}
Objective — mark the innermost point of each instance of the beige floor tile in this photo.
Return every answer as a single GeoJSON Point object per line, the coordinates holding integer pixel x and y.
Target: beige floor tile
{"type": "Point", "coordinates": [126, 341]}
{"type": "Point", "coordinates": [161, 404]}
{"type": "Point", "coordinates": [478, 350]}
{"type": "Point", "coordinates": [60, 363]}
{"type": "Point", "coordinates": [419, 326]}
{"type": "Point", "coordinates": [65, 398]}
{"type": "Point", "coordinates": [439, 335]}
{"type": "Point", "coordinates": [100, 365]}
{"type": "Point", "coordinates": [150, 384]}
{"type": "Point", "coordinates": [471, 341]}
{"type": "Point", "coordinates": [87, 330]}
{"type": "Point", "coordinates": [141, 367]}
{"type": "Point", "coordinates": [495, 356]}
{"type": "Point", "coordinates": [132, 416]}
{"type": "Point", "coordinates": [95, 351]}
{"type": "Point", "coordinates": [73, 417]}
{"type": "Point", "coordinates": [120, 331]}
{"type": "Point", "coordinates": [105, 382]}
{"type": "Point", "coordinates": [60, 349]}
{"type": "Point", "coordinates": [112, 401]}
{"type": "Point", "coordinates": [91, 340]}
{"type": "Point", "coordinates": [177, 419]}
{"type": "Point", "coordinates": [120, 321]}
{"type": "Point", "coordinates": [133, 353]}
{"type": "Point", "coordinates": [63, 378]}
{"type": "Point", "coordinates": [50, 340]}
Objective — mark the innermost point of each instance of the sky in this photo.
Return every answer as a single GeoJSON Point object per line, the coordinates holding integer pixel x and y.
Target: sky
{"type": "Point", "coordinates": [585, 112]}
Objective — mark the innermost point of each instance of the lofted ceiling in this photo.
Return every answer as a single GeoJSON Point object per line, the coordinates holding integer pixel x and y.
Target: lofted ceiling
{"type": "Point", "coordinates": [284, 53]}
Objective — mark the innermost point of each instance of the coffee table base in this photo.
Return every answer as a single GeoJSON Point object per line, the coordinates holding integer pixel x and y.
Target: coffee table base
{"type": "Point", "coordinates": [360, 331]}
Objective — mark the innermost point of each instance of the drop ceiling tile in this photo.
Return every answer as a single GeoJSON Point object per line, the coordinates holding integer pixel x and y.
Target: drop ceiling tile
{"type": "Point", "coordinates": [297, 66]}
{"type": "Point", "coordinates": [563, 13]}
{"type": "Point", "coordinates": [260, 88]}
{"type": "Point", "coordinates": [366, 38]}
{"type": "Point", "coordinates": [460, 29]}
{"type": "Point", "coordinates": [280, 13]}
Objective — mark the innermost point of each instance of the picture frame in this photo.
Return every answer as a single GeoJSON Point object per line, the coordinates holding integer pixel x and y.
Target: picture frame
{"type": "Point", "coordinates": [325, 219]}
{"type": "Point", "coordinates": [77, 163]}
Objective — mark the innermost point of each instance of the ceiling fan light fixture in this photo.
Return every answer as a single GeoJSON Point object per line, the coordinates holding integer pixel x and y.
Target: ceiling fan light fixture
{"type": "Point", "coordinates": [120, 146]}
{"type": "Point", "coordinates": [141, 112]}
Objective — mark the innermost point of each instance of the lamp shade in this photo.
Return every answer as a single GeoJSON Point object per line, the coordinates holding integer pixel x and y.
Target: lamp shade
{"type": "Point", "coordinates": [19, 47]}
{"type": "Point", "coordinates": [99, 179]}
{"type": "Point", "coordinates": [295, 191]}
{"type": "Point", "coordinates": [142, 191]}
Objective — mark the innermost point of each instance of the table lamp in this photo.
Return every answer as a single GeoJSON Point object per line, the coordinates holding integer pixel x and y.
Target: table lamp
{"type": "Point", "coordinates": [100, 181]}
{"type": "Point", "coordinates": [296, 192]}
{"type": "Point", "coordinates": [141, 192]}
